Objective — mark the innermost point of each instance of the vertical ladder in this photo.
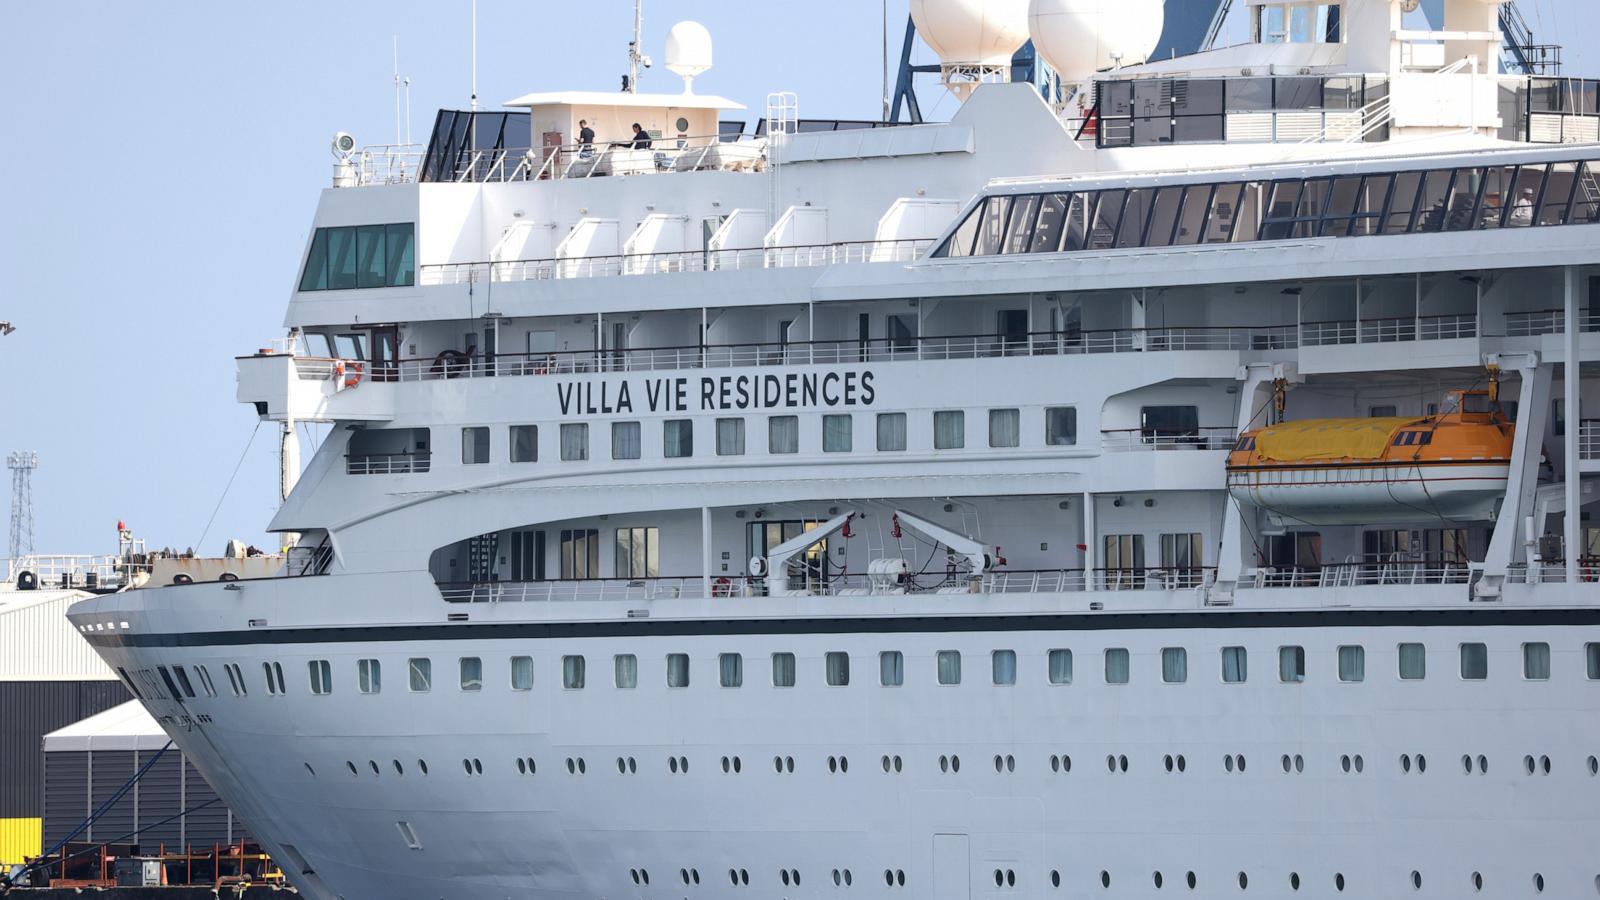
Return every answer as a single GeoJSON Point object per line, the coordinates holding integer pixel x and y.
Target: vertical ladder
{"type": "Point", "coordinates": [783, 120]}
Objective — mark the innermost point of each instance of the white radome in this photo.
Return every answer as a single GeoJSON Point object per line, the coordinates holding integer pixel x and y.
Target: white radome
{"type": "Point", "coordinates": [1080, 37]}
{"type": "Point", "coordinates": [688, 50]}
{"type": "Point", "coordinates": [972, 32]}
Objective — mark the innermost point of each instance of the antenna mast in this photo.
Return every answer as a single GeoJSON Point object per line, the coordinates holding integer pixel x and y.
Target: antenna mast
{"type": "Point", "coordinates": [474, 55]}
{"type": "Point", "coordinates": [397, 89]}
{"type": "Point", "coordinates": [635, 54]}
{"type": "Point", "coordinates": [22, 464]}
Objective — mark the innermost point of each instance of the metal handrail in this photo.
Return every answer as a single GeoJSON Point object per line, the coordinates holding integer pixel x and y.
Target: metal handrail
{"type": "Point", "coordinates": [388, 463]}
{"type": "Point", "coordinates": [1122, 440]}
{"type": "Point", "coordinates": [1589, 439]}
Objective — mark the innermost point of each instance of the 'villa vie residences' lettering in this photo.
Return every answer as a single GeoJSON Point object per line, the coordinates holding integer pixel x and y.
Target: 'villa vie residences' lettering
{"type": "Point", "coordinates": [716, 393]}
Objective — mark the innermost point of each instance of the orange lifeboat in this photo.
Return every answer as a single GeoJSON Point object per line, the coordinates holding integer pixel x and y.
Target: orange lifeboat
{"type": "Point", "coordinates": [1452, 466]}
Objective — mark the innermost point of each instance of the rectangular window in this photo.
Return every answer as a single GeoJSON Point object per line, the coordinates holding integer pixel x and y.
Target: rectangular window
{"type": "Point", "coordinates": [420, 672]}
{"type": "Point", "coordinates": [1047, 233]}
{"type": "Point", "coordinates": [1124, 554]}
{"type": "Point", "coordinates": [1060, 666]}
{"type": "Point", "coordinates": [891, 431]}
{"type": "Point", "coordinates": [1235, 665]}
{"type": "Point", "coordinates": [474, 446]}
{"type": "Point", "coordinates": [360, 256]}
{"type": "Point", "coordinates": [321, 677]}
{"type": "Point", "coordinates": [837, 434]}
{"type": "Point", "coordinates": [730, 670]}
{"type": "Point", "coordinates": [783, 434]}
{"type": "Point", "coordinates": [1182, 558]}
{"type": "Point", "coordinates": [1061, 426]}
{"type": "Point", "coordinates": [369, 676]}
{"type": "Point", "coordinates": [730, 437]}
{"type": "Point", "coordinates": [1352, 664]}
{"type": "Point", "coordinates": [1117, 665]}
{"type": "Point", "coordinates": [949, 429]}
{"type": "Point", "coordinates": [1474, 662]}
{"type": "Point", "coordinates": [638, 553]}
{"type": "Point", "coordinates": [783, 670]}
{"type": "Point", "coordinates": [1004, 664]}
{"type": "Point", "coordinates": [1168, 425]}
{"type": "Point", "coordinates": [524, 443]}
{"type": "Point", "coordinates": [949, 666]}
{"type": "Point", "coordinates": [677, 670]}
{"type": "Point", "coordinates": [1291, 664]}
{"type": "Point", "coordinates": [625, 441]}
{"type": "Point", "coordinates": [837, 665]}
{"type": "Point", "coordinates": [1174, 665]}
{"type": "Point", "coordinates": [1536, 661]}
{"type": "Point", "coordinates": [1591, 655]}
{"type": "Point", "coordinates": [1413, 662]}
{"type": "Point", "coordinates": [471, 673]}
{"type": "Point", "coordinates": [625, 673]}
{"type": "Point", "coordinates": [574, 442]}
{"type": "Point", "coordinates": [522, 673]}
{"type": "Point", "coordinates": [677, 438]}
{"type": "Point", "coordinates": [580, 553]}
{"type": "Point", "coordinates": [572, 672]}
{"type": "Point", "coordinates": [891, 668]}
{"type": "Point", "coordinates": [901, 332]}
{"type": "Point", "coordinates": [1005, 427]}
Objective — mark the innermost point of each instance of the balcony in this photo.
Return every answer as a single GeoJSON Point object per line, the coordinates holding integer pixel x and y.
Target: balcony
{"type": "Point", "coordinates": [284, 386]}
{"type": "Point", "coordinates": [1589, 440]}
{"type": "Point", "coordinates": [1388, 330]}
{"type": "Point", "coordinates": [1360, 574]}
{"type": "Point", "coordinates": [677, 261]}
{"type": "Point", "coordinates": [1548, 321]}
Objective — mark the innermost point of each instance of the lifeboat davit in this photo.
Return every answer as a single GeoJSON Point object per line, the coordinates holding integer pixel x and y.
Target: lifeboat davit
{"type": "Point", "coordinates": [1451, 467]}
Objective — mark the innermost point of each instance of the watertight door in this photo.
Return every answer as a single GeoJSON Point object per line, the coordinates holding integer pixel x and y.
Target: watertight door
{"type": "Point", "coordinates": [952, 878]}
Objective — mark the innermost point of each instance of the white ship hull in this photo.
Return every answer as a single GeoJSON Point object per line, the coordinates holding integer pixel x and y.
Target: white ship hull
{"type": "Point", "coordinates": [1420, 801]}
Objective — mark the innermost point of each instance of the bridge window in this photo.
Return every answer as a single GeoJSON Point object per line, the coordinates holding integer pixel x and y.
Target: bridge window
{"type": "Point", "coordinates": [360, 256]}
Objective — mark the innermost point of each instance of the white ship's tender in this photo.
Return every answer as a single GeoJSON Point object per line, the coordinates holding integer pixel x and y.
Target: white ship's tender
{"type": "Point", "coordinates": [1020, 505]}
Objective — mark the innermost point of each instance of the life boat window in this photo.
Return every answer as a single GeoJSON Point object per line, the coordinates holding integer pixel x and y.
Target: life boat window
{"type": "Point", "coordinates": [1248, 442]}
{"type": "Point", "coordinates": [1476, 403]}
{"type": "Point", "coordinates": [1413, 439]}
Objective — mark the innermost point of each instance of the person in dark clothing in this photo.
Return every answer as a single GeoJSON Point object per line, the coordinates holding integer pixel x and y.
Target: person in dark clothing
{"type": "Point", "coordinates": [641, 138]}
{"type": "Point", "coordinates": [585, 139]}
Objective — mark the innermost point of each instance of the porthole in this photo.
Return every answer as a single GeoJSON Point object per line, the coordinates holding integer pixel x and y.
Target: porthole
{"type": "Point", "coordinates": [955, 763]}
{"type": "Point", "coordinates": [833, 764]}
{"type": "Point", "coordinates": [837, 878]}
{"type": "Point", "coordinates": [897, 762]}
{"type": "Point", "coordinates": [1294, 881]}
{"type": "Point", "coordinates": [944, 763]}
{"type": "Point", "coordinates": [1189, 879]}
{"type": "Point", "coordinates": [1011, 878]}
{"type": "Point", "coordinates": [1360, 763]}
{"type": "Point", "coordinates": [1241, 762]}
{"type": "Point", "coordinates": [477, 766]}
{"type": "Point", "coordinates": [1244, 881]}
{"type": "Point", "coordinates": [645, 875]}
{"type": "Point", "coordinates": [900, 877]}
{"type": "Point", "coordinates": [1167, 762]}
{"type": "Point", "coordinates": [744, 877]}
{"type": "Point", "coordinates": [788, 764]}
{"type": "Point", "coordinates": [1405, 762]}
{"type": "Point", "coordinates": [634, 874]}
{"type": "Point", "coordinates": [1105, 878]}
{"type": "Point", "coordinates": [1122, 763]}
{"type": "Point", "coordinates": [777, 764]}
{"type": "Point", "coordinates": [1227, 762]}
{"type": "Point", "coordinates": [1477, 881]}
{"type": "Point", "coordinates": [683, 875]}
{"type": "Point", "coordinates": [398, 769]}
{"type": "Point", "coordinates": [888, 877]}
{"type": "Point", "coordinates": [1155, 877]}
{"type": "Point", "coordinates": [1483, 764]}
{"type": "Point", "coordinates": [1529, 764]}
{"type": "Point", "coordinates": [310, 771]}
{"type": "Point", "coordinates": [1182, 764]}
{"type": "Point", "coordinates": [1416, 880]}
{"type": "Point", "coordinates": [572, 766]}
{"type": "Point", "coordinates": [886, 763]}
{"type": "Point", "coordinates": [352, 766]}
{"type": "Point", "coordinates": [1538, 883]}
{"type": "Point", "coordinates": [1055, 762]}
{"type": "Point", "coordinates": [1344, 762]}
{"type": "Point", "coordinates": [738, 766]}
{"type": "Point", "coordinates": [999, 879]}
{"type": "Point", "coordinates": [847, 878]}
{"type": "Point", "coordinates": [1286, 764]}
{"type": "Point", "coordinates": [1544, 763]}
{"type": "Point", "coordinates": [522, 766]}
{"type": "Point", "coordinates": [672, 764]}
{"type": "Point", "coordinates": [633, 765]}
{"type": "Point", "coordinates": [1055, 879]}
{"type": "Point", "coordinates": [783, 875]}
{"type": "Point", "coordinates": [533, 768]}
{"type": "Point", "coordinates": [373, 765]}
{"type": "Point", "coordinates": [1594, 765]}
{"type": "Point", "coordinates": [422, 765]}
{"type": "Point", "coordinates": [727, 765]}
{"type": "Point", "coordinates": [1422, 764]}
{"type": "Point", "coordinates": [1466, 763]}
{"type": "Point", "coordinates": [733, 877]}
{"type": "Point", "coordinates": [694, 875]}
{"type": "Point", "coordinates": [1299, 763]}
{"type": "Point", "coordinates": [1338, 881]}
{"type": "Point", "coordinates": [999, 766]}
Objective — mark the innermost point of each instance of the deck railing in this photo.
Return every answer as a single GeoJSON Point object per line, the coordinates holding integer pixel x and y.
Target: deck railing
{"type": "Point", "coordinates": [388, 463]}
{"type": "Point", "coordinates": [1361, 573]}
{"type": "Point", "coordinates": [1589, 439]}
{"type": "Point", "coordinates": [1392, 329]}
{"type": "Point", "coordinates": [1532, 323]}
{"type": "Point", "coordinates": [1123, 440]}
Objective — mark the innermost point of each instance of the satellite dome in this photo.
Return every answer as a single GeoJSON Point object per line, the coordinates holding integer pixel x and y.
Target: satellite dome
{"type": "Point", "coordinates": [1080, 37]}
{"type": "Point", "coordinates": [972, 32]}
{"type": "Point", "coordinates": [688, 51]}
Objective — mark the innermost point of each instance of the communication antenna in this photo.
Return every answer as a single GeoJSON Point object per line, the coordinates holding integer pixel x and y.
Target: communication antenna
{"type": "Point", "coordinates": [22, 463]}
{"type": "Point", "coordinates": [396, 88]}
{"type": "Point", "coordinates": [474, 56]}
{"type": "Point", "coordinates": [636, 56]}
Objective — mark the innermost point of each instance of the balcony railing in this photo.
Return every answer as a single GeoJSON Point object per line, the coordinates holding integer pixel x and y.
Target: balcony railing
{"type": "Point", "coordinates": [388, 463]}
{"type": "Point", "coordinates": [1124, 440]}
{"type": "Point", "coordinates": [1589, 439]}
{"type": "Point", "coordinates": [1553, 571]}
{"type": "Point", "coordinates": [1360, 574]}
{"type": "Point", "coordinates": [1547, 321]}
{"type": "Point", "coordinates": [1387, 330]}
{"type": "Point", "coordinates": [676, 261]}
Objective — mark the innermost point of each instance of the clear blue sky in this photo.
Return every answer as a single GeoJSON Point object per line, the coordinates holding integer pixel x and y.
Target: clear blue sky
{"type": "Point", "coordinates": [162, 162]}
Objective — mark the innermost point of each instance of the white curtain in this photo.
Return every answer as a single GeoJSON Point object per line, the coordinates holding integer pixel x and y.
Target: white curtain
{"type": "Point", "coordinates": [1536, 661]}
{"type": "Point", "coordinates": [1005, 428]}
{"type": "Point", "coordinates": [574, 441]}
{"type": "Point", "coordinates": [837, 434]}
{"type": "Point", "coordinates": [891, 431]}
{"type": "Point", "coordinates": [471, 673]}
{"type": "Point", "coordinates": [731, 670]}
{"type": "Point", "coordinates": [783, 434]}
{"type": "Point", "coordinates": [421, 675]}
{"type": "Point", "coordinates": [677, 670]}
{"type": "Point", "coordinates": [572, 672]}
{"type": "Point", "coordinates": [949, 430]}
{"type": "Point", "coordinates": [1116, 665]}
{"type": "Point", "coordinates": [1005, 666]}
{"type": "Point", "coordinates": [891, 668]}
{"type": "Point", "coordinates": [627, 670]}
{"type": "Point", "coordinates": [624, 440]}
{"type": "Point", "coordinates": [1474, 662]}
{"type": "Point", "coordinates": [1352, 664]}
{"type": "Point", "coordinates": [838, 665]}
{"type": "Point", "coordinates": [783, 670]}
{"type": "Point", "coordinates": [949, 666]}
{"type": "Point", "coordinates": [1413, 662]}
{"type": "Point", "coordinates": [1174, 665]}
{"type": "Point", "coordinates": [730, 437]}
{"type": "Point", "coordinates": [370, 675]}
{"type": "Point", "coordinates": [1060, 666]}
{"type": "Point", "coordinates": [522, 673]}
{"type": "Point", "coordinates": [1291, 664]}
{"type": "Point", "coordinates": [1235, 665]}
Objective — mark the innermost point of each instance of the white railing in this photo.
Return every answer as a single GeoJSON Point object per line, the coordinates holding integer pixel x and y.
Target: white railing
{"type": "Point", "coordinates": [1445, 328]}
{"type": "Point", "coordinates": [379, 164]}
{"type": "Point", "coordinates": [1360, 574]}
{"type": "Point", "coordinates": [901, 251]}
{"type": "Point", "coordinates": [1323, 334]}
{"type": "Point", "coordinates": [65, 570]}
{"type": "Point", "coordinates": [683, 154]}
{"type": "Point", "coordinates": [1589, 439]}
{"type": "Point", "coordinates": [1547, 321]}
{"type": "Point", "coordinates": [1388, 330]}
{"type": "Point", "coordinates": [388, 463]}
{"type": "Point", "coordinates": [1553, 571]}
{"type": "Point", "coordinates": [1125, 440]}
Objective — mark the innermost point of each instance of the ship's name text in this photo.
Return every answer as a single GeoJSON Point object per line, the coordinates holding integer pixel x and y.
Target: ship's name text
{"type": "Point", "coordinates": [717, 393]}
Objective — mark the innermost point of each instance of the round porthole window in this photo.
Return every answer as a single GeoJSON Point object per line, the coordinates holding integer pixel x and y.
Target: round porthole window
{"type": "Point", "coordinates": [682, 123]}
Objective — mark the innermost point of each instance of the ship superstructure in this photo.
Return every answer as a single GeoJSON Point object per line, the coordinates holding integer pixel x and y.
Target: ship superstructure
{"type": "Point", "coordinates": [1056, 501]}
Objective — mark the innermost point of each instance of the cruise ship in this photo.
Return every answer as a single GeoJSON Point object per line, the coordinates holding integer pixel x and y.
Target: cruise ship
{"type": "Point", "coordinates": [1175, 481]}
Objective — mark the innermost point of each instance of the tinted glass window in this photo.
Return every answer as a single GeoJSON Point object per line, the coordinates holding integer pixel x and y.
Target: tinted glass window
{"type": "Point", "coordinates": [1047, 231]}
{"type": "Point", "coordinates": [992, 228]}
{"type": "Point", "coordinates": [1019, 234]}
